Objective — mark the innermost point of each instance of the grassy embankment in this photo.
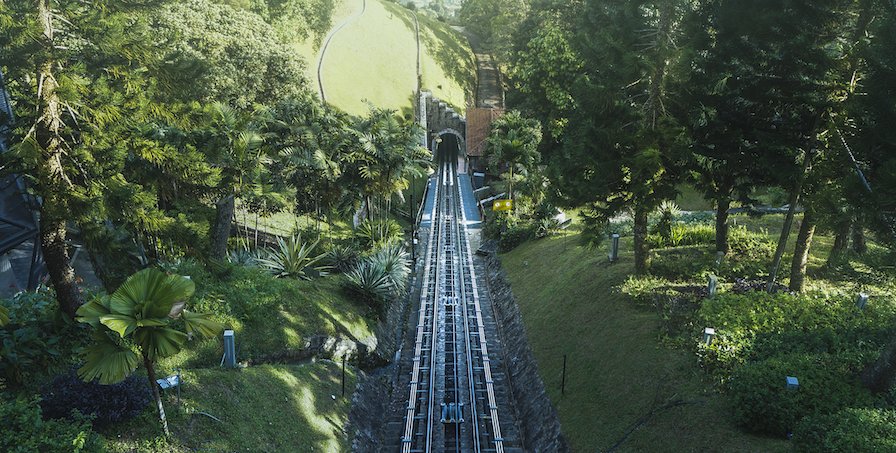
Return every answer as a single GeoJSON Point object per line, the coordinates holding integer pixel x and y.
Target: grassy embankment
{"type": "Point", "coordinates": [627, 385]}
{"type": "Point", "coordinates": [374, 60]}
{"type": "Point", "coordinates": [261, 407]}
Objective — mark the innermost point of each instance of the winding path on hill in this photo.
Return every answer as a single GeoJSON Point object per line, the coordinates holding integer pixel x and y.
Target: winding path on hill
{"type": "Point", "coordinates": [323, 49]}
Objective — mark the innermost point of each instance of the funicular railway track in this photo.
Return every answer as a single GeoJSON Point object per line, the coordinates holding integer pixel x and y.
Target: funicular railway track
{"type": "Point", "coordinates": [451, 404]}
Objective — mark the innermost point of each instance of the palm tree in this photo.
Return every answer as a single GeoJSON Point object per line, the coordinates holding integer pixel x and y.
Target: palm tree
{"type": "Point", "coordinates": [388, 155]}
{"type": "Point", "coordinates": [139, 316]}
{"type": "Point", "coordinates": [514, 141]}
{"type": "Point", "coordinates": [236, 146]}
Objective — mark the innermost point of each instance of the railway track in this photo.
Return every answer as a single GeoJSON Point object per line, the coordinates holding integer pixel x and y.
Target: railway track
{"type": "Point", "coordinates": [451, 399]}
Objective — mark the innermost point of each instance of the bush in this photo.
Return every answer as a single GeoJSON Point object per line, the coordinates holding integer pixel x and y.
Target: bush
{"type": "Point", "coordinates": [683, 234]}
{"type": "Point", "coordinates": [106, 404]}
{"type": "Point", "coordinates": [849, 431]}
{"type": "Point", "coordinates": [515, 235]}
{"type": "Point", "coordinates": [372, 234]}
{"type": "Point", "coordinates": [763, 404]}
{"type": "Point", "coordinates": [293, 258]}
{"type": "Point", "coordinates": [381, 276]}
{"type": "Point", "coordinates": [342, 258]}
{"type": "Point", "coordinates": [758, 325]}
{"type": "Point", "coordinates": [748, 257]}
{"type": "Point", "coordinates": [25, 431]}
{"type": "Point", "coordinates": [36, 342]}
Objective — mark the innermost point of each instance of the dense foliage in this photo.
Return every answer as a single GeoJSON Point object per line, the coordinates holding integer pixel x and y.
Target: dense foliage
{"type": "Point", "coordinates": [67, 395]}
{"type": "Point", "coordinates": [25, 430]}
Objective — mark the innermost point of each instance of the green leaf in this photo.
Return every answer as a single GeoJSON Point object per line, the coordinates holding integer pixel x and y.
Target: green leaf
{"type": "Point", "coordinates": [4, 315]}
{"type": "Point", "coordinates": [153, 322]}
{"type": "Point", "coordinates": [90, 312]}
{"type": "Point", "coordinates": [158, 342]}
{"type": "Point", "coordinates": [107, 361]}
{"type": "Point", "coordinates": [153, 292]}
{"type": "Point", "coordinates": [201, 324]}
{"type": "Point", "coordinates": [123, 325]}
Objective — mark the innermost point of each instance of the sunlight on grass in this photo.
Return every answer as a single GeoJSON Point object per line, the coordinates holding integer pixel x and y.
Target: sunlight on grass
{"type": "Point", "coordinates": [375, 59]}
{"type": "Point", "coordinates": [263, 408]}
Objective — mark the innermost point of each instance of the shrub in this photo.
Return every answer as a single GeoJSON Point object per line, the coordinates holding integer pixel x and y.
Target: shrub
{"type": "Point", "coordinates": [25, 431]}
{"type": "Point", "coordinates": [683, 234]}
{"type": "Point", "coordinates": [35, 342]}
{"type": "Point", "coordinates": [850, 431]}
{"type": "Point", "coordinates": [748, 256]}
{"type": "Point", "coordinates": [293, 258]}
{"type": "Point", "coordinates": [515, 235]}
{"type": "Point", "coordinates": [763, 404]}
{"type": "Point", "coordinates": [342, 258]}
{"type": "Point", "coordinates": [107, 404]}
{"type": "Point", "coordinates": [758, 325]}
{"type": "Point", "coordinates": [371, 282]}
{"type": "Point", "coordinates": [372, 234]}
{"type": "Point", "coordinates": [381, 276]}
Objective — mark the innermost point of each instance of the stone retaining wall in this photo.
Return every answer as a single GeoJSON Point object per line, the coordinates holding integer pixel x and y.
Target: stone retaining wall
{"type": "Point", "coordinates": [537, 416]}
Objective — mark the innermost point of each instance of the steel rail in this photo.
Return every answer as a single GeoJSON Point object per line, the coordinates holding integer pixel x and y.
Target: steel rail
{"type": "Point", "coordinates": [483, 344]}
{"type": "Point", "coordinates": [427, 313]}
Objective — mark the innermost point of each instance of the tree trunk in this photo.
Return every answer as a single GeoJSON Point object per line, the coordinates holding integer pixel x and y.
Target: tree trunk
{"type": "Point", "coordinates": [62, 275]}
{"type": "Point", "coordinates": [221, 233]}
{"type": "Point", "coordinates": [841, 242]}
{"type": "Point", "coordinates": [722, 205]}
{"type": "Point", "coordinates": [859, 246]}
{"type": "Point", "coordinates": [151, 373]}
{"type": "Point", "coordinates": [788, 220]}
{"type": "Point", "coordinates": [801, 252]}
{"type": "Point", "coordinates": [53, 182]}
{"type": "Point", "coordinates": [640, 239]}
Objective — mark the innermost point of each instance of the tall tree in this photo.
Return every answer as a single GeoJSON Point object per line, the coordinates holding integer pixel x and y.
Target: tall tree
{"type": "Point", "coordinates": [76, 74]}
{"type": "Point", "coordinates": [622, 147]}
{"type": "Point", "coordinates": [513, 142]}
{"type": "Point", "coordinates": [387, 155]}
{"type": "Point", "coordinates": [234, 142]}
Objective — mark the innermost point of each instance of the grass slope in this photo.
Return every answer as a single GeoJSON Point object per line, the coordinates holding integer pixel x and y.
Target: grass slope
{"type": "Point", "coordinates": [617, 372]}
{"type": "Point", "coordinates": [269, 315]}
{"type": "Point", "coordinates": [264, 408]}
{"type": "Point", "coordinates": [374, 60]}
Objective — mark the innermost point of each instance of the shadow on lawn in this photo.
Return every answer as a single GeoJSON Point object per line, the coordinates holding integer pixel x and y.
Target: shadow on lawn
{"type": "Point", "coordinates": [264, 408]}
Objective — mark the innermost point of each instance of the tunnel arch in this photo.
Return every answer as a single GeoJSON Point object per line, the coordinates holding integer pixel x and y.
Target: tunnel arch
{"type": "Point", "coordinates": [461, 147]}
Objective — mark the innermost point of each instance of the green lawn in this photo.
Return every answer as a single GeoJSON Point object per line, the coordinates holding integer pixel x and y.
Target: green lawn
{"type": "Point", "coordinates": [373, 59]}
{"type": "Point", "coordinates": [618, 370]}
{"type": "Point", "coordinates": [264, 408]}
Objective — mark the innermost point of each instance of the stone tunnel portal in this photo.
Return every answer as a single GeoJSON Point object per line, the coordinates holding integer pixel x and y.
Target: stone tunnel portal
{"type": "Point", "coordinates": [449, 145]}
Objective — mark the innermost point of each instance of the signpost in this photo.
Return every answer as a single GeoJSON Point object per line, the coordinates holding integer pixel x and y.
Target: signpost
{"type": "Point", "coordinates": [502, 205]}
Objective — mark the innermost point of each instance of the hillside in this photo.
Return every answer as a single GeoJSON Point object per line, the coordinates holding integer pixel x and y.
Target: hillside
{"type": "Point", "coordinates": [381, 42]}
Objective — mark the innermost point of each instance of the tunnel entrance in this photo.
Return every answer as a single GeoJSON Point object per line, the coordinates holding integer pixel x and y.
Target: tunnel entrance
{"type": "Point", "coordinates": [448, 147]}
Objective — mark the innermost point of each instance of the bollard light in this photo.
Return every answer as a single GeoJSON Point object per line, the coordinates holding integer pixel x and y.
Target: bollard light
{"type": "Point", "coordinates": [708, 334]}
{"type": "Point", "coordinates": [792, 383]}
{"type": "Point", "coordinates": [614, 247]}
{"type": "Point", "coordinates": [861, 301]}
{"type": "Point", "coordinates": [229, 349]}
{"type": "Point", "coordinates": [712, 285]}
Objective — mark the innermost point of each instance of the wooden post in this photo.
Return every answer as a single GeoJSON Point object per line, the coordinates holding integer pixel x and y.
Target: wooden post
{"type": "Point", "coordinates": [563, 378]}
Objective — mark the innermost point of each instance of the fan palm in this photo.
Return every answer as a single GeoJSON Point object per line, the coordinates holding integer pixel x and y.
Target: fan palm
{"type": "Point", "coordinates": [140, 315]}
